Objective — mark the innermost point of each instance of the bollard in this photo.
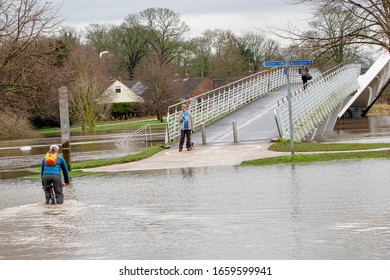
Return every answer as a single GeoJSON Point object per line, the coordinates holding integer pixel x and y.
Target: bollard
{"type": "Point", "coordinates": [203, 134]}
{"type": "Point", "coordinates": [235, 138]}
{"type": "Point", "coordinates": [65, 125]}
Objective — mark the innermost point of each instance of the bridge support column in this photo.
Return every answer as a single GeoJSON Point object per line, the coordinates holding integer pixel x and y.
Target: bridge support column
{"type": "Point", "coordinates": [327, 125]}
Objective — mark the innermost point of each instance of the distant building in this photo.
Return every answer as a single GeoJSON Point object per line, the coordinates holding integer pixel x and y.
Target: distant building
{"type": "Point", "coordinates": [191, 87]}
{"type": "Point", "coordinates": [125, 91]}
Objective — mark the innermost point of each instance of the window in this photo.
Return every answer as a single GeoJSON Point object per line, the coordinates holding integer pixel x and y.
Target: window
{"type": "Point", "coordinates": [117, 89]}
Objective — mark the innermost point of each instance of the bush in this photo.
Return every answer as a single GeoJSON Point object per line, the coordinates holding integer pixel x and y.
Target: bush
{"type": "Point", "coordinates": [124, 110]}
{"type": "Point", "coordinates": [13, 127]}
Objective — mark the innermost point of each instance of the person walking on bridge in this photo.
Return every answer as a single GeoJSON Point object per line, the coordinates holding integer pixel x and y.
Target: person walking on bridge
{"type": "Point", "coordinates": [186, 126]}
{"type": "Point", "coordinates": [304, 71]}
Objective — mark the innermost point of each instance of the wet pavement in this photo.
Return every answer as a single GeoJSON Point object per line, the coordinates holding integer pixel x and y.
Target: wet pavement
{"type": "Point", "coordinates": [203, 155]}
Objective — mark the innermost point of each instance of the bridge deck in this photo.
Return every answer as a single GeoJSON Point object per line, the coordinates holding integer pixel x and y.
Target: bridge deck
{"type": "Point", "coordinates": [255, 122]}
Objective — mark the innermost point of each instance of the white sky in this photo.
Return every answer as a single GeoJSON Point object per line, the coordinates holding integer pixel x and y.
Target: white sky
{"type": "Point", "coordinates": [235, 15]}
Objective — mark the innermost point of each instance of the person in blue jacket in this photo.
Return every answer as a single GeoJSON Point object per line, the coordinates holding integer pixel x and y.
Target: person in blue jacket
{"type": "Point", "coordinates": [186, 127]}
{"type": "Point", "coordinates": [51, 167]}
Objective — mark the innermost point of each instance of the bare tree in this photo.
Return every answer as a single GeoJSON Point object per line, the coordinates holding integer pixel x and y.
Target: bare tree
{"type": "Point", "coordinates": [164, 32]}
{"type": "Point", "coordinates": [256, 48]}
{"type": "Point", "coordinates": [87, 98]}
{"type": "Point", "coordinates": [202, 48]}
{"type": "Point", "coordinates": [22, 24]}
{"type": "Point", "coordinates": [370, 22]}
{"type": "Point", "coordinates": [131, 43]}
{"type": "Point", "coordinates": [161, 87]}
{"type": "Point", "coordinates": [29, 56]}
{"type": "Point", "coordinates": [227, 63]}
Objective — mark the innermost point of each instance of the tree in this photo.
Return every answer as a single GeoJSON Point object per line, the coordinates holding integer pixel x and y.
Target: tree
{"type": "Point", "coordinates": [227, 63]}
{"type": "Point", "coordinates": [164, 32]}
{"type": "Point", "coordinates": [88, 103]}
{"type": "Point", "coordinates": [131, 43]}
{"type": "Point", "coordinates": [30, 60]}
{"type": "Point", "coordinates": [161, 87]}
{"type": "Point", "coordinates": [23, 23]}
{"type": "Point", "coordinates": [101, 38]}
{"type": "Point", "coordinates": [202, 48]}
{"type": "Point", "coordinates": [256, 48]}
{"type": "Point", "coordinates": [369, 23]}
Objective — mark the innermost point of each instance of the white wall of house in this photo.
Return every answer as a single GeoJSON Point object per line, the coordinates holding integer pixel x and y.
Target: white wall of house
{"type": "Point", "coordinates": [119, 92]}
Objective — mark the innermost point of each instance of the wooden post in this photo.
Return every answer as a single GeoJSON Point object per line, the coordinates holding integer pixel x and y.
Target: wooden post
{"type": "Point", "coordinates": [65, 126]}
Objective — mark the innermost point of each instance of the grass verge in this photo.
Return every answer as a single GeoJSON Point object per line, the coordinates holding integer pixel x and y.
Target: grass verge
{"type": "Point", "coordinates": [284, 146]}
{"type": "Point", "coordinates": [321, 157]}
{"type": "Point", "coordinates": [331, 152]}
{"type": "Point", "coordinates": [129, 158]}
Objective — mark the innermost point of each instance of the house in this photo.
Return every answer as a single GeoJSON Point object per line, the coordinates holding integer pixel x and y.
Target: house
{"type": "Point", "coordinates": [191, 87]}
{"type": "Point", "coordinates": [125, 91]}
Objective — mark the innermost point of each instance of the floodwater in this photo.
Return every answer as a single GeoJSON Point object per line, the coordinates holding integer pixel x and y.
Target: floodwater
{"type": "Point", "coordinates": [15, 162]}
{"type": "Point", "coordinates": [333, 210]}
{"type": "Point", "coordinates": [363, 130]}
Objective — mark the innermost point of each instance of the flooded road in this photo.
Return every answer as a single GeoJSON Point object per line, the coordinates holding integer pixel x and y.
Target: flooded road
{"type": "Point", "coordinates": [334, 210]}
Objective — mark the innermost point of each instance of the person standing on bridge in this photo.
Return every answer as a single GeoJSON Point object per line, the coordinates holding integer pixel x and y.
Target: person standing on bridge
{"type": "Point", "coordinates": [186, 126]}
{"type": "Point", "coordinates": [304, 71]}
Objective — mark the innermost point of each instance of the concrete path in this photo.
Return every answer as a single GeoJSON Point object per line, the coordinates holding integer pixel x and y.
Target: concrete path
{"type": "Point", "coordinates": [201, 156]}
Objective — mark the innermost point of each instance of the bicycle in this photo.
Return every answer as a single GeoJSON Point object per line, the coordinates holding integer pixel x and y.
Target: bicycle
{"type": "Point", "coordinates": [53, 199]}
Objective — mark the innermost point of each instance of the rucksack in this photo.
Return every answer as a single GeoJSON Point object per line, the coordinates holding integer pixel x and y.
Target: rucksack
{"type": "Point", "coordinates": [51, 158]}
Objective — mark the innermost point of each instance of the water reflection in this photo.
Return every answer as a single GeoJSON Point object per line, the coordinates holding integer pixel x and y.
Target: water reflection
{"type": "Point", "coordinates": [335, 210]}
{"type": "Point", "coordinates": [364, 130]}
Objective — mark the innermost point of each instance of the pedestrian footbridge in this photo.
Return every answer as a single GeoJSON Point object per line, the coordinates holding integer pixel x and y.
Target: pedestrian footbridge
{"type": "Point", "coordinates": [256, 108]}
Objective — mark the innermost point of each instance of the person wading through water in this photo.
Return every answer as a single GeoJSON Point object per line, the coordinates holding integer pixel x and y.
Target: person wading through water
{"type": "Point", "coordinates": [51, 167]}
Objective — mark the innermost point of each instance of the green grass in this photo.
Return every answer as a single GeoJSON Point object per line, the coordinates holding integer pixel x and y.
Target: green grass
{"type": "Point", "coordinates": [321, 153]}
{"type": "Point", "coordinates": [284, 146]}
{"type": "Point", "coordinates": [107, 126]}
{"type": "Point", "coordinates": [129, 158]}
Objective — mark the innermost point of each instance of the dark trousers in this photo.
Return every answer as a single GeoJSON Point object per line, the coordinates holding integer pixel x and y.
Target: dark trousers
{"type": "Point", "coordinates": [184, 134]}
{"type": "Point", "coordinates": [57, 185]}
{"type": "Point", "coordinates": [304, 80]}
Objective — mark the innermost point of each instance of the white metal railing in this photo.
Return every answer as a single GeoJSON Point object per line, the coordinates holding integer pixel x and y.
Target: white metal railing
{"type": "Point", "coordinates": [213, 105]}
{"type": "Point", "coordinates": [143, 133]}
{"type": "Point", "coordinates": [312, 106]}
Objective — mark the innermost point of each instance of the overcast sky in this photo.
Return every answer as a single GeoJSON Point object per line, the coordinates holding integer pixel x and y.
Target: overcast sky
{"type": "Point", "coordinates": [235, 15]}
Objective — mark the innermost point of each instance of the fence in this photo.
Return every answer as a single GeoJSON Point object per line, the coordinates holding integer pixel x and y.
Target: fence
{"type": "Point", "coordinates": [143, 134]}
{"type": "Point", "coordinates": [312, 106]}
{"type": "Point", "coordinates": [213, 105]}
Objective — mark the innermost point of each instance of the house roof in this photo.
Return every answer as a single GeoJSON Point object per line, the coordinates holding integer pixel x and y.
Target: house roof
{"type": "Point", "coordinates": [191, 87]}
{"type": "Point", "coordinates": [131, 91]}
